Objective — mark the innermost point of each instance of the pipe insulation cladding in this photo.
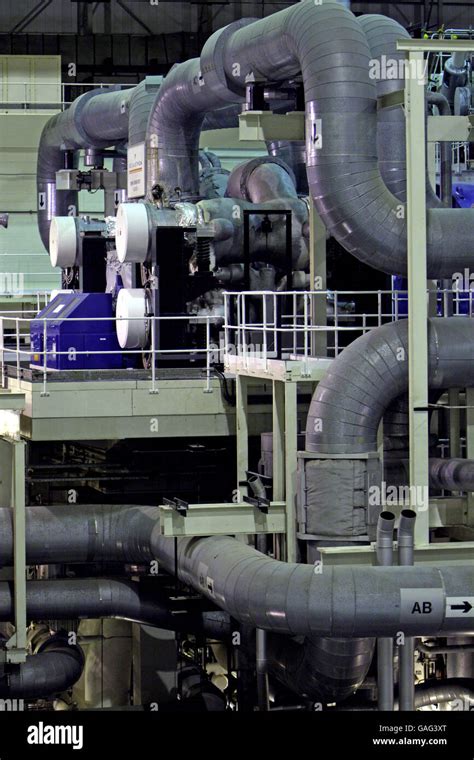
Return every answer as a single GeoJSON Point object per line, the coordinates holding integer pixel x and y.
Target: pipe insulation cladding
{"type": "Point", "coordinates": [98, 119]}
{"type": "Point", "coordinates": [54, 668]}
{"type": "Point", "coordinates": [328, 46]}
{"type": "Point", "coordinates": [257, 590]}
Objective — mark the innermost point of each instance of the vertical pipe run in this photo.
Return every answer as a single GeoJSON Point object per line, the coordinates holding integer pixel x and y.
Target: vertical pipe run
{"type": "Point", "coordinates": [384, 548]}
{"type": "Point", "coordinates": [406, 545]}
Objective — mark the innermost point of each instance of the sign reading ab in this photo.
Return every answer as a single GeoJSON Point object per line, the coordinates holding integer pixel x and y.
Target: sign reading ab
{"type": "Point", "coordinates": [421, 603]}
{"type": "Point", "coordinates": [422, 608]}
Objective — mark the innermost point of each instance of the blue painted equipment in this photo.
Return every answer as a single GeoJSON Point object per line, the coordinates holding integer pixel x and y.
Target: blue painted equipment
{"type": "Point", "coordinates": [463, 195]}
{"type": "Point", "coordinates": [74, 337]}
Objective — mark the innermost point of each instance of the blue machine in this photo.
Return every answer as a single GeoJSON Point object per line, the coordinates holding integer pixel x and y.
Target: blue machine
{"type": "Point", "coordinates": [73, 337]}
{"type": "Point", "coordinates": [463, 195]}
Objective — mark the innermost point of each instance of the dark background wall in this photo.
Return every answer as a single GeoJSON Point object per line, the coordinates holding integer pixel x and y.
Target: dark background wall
{"type": "Point", "coordinates": [124, 39]}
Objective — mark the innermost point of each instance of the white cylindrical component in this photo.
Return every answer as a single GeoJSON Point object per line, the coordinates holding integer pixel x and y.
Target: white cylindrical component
{"type": "Point", "coordinates": [63, 241]}
{"type": "Point", "coordinates": [132, 235]}
{"type": "Point", "coordinates": [131, 322]}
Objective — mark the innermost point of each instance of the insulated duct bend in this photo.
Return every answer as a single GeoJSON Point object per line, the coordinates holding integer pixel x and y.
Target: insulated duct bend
{"type": "Point", "coordinates": [98, 119]}
{"type": "Point", "coordinates": [382, 35]}
{"type": "Point", "coordinates": [368, 375]}
{"type": "Point", "coordinates": [327, 45]}
{"type": "Point", "coordinates": [56, 667]}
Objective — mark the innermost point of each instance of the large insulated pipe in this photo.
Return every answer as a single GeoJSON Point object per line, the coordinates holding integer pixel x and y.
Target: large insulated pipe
{"type": "Point", "coordinates": [351, 399]}
{"type": "Point", "coordinates": [68, 130]}
{"type": "Point", "coordinates": [293, 153]}
{"type": "Point", "coordinates": [452, 474]}
{"type": "Point", "coordinates": [102, 598]}
{"type": "Point", "coordinates": [326, 44]}
{"type": "Point", "coordinates": [384, 552]}
{"type": "Point", "coordinates": [382, 34]}
{"type": "Point", "coordinates": [406, 651]}
{"type": "Point", "coordinates": [98, 119]}
{"type": "Point", "coordinates": [257, 590]}
{"type": "Point", "coordinates": [372, 372]}
{"type": "Point", "coordinates": [449, 690]}
{"type": "Point", "coordinates": [55, 667]}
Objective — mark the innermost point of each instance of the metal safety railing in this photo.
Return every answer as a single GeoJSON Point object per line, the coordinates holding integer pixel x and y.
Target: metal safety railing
{"type": "Point", "coordinates": [38, 95]}
{"type": "Point", "coordinates": [16, 349]}
{"type": "Point", "coordinates": [264, 325]}
{"type": "Point", "coordinates": [260, 325]}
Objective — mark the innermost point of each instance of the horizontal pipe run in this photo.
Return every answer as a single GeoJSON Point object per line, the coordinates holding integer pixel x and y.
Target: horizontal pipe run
{"type": "Point", "coordinates": [262, 592]}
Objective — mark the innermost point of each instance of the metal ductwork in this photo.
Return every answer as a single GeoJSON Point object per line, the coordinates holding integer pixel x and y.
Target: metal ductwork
{"type": "Point", "coordinates": [448, 690]}
{"type": "Point", "coordinates": [98, 119]}
{"type": "Point", "coordinates": [382, 35]}
{"type": "Point", "coordinates": [351, 399]}
{"type": "Point", "coordinates": [368, 375]}
{"type": "Point", "coordinates": [327, 45]}
{"type": "Point", "coordinates": [103, 598]}
{"type": "Point", "coordinates": [452, 474]}
{"type": "Point", "coordinates": [55, 667]}
{"type": "Point", "coordinates": [258, 591]}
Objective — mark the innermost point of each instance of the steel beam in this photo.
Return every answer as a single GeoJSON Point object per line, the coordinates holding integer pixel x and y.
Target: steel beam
{"type": "Point", "coordinates": [222, 520]}
{"type": "Point", "coordinates": [417, 301]}
{"type": "Point", "coordinates": [291, 465]}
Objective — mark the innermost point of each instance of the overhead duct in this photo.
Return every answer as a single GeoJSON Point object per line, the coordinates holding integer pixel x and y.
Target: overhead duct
{"type": "Point", "coordinates": [327, 45]}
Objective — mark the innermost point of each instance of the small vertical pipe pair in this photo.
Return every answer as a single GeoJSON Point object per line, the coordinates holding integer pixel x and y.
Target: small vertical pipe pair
{"type": "Point", "coordinates": [384, 550]}
{"type": "Point", "coordinates": [406, 651]}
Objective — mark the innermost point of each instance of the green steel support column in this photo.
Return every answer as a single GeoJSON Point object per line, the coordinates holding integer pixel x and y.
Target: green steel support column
{"type": "Point", "coordinates": [291, 464]}
{"type": "Point", "coordinates": [18, 642]}
{"type": "Point", "coordinates": [470, 448]}
{"type": "Point", "coordinates": [417, 301]}
{"type": "Point", "coordinates": [318, 280]}
{"type": "Point", "coordinates": [278, 440]}
{"type": "Point", "coordinates": [242, 430]}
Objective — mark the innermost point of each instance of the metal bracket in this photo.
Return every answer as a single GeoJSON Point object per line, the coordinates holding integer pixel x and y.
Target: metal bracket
{"type": "Point", "coordinates": [265, 125]}
{"type": "Point", "coordinates": [179, 505]}
{"type": "Point", "coordinates": [258, 501]}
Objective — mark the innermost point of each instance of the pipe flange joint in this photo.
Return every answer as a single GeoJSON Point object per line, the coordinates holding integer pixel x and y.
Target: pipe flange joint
{"type": "Point", "coordinates": [252, 165]}
{"type": "Point", "coordinates": [212, 61]}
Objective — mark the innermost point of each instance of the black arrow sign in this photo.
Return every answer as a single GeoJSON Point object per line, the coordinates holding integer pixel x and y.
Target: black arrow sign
{"type": "Point", "coordinates": [41, 200]}
{"type": "Point", "coordinates": [465, 607]}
